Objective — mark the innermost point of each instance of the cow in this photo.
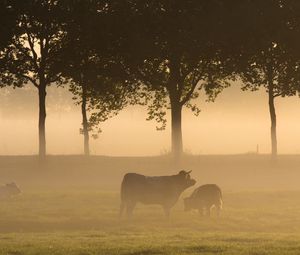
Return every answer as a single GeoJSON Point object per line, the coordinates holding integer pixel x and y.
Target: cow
{"type": "Point", "coordinates": [9, 190]}
{"type": "Point", "coordinates": [204, 198]}
{"type": "Point", "coordinates": [161, 190]}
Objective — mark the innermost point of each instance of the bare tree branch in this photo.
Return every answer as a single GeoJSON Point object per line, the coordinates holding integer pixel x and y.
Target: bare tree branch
{"type": "Point", "coordinates": [31, 45]}
{"type": "Point", "coordinates": [278, 94]}
{"type": "Point", "coordinates": [191, 91]}
{"type": "Point", "coordinates": [33, 81]}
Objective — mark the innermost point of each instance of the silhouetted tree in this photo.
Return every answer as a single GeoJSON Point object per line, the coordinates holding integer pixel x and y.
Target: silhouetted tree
{"type": "Point", "coordinates": [173, 48]}
{"type": "Point", "coordinates": [77, 58]}
{"type": "Point", "coordinates": [268, 62]}
{"type": "Point", "coordinates": [91, 60]}
{"type": "Point", "coordinates": [8, 20]}
{"type": "Point", "coordinates": [32, 53]}
{"type": "Point", "coordinates": [7, 30]}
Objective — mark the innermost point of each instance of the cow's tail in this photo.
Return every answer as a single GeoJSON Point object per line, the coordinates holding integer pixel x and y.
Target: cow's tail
{"type": "Point", "coordinates": [221, 203]}
{"type": "Point", "coordinates": [123, 197]}
{"type": "Point", "coordinates": [220, 199]}
{"type": "Point", "coordinates": [123, 189]}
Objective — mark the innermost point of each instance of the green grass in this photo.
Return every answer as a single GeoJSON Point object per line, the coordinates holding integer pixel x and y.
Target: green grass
{"type": "Point", "coordinates": [85, 222]}
{"type": "Point", "coordinates": [70, 205]}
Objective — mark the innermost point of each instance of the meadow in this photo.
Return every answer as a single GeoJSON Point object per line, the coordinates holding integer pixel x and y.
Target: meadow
{"type": "Point", "coordinates": [70, 206]}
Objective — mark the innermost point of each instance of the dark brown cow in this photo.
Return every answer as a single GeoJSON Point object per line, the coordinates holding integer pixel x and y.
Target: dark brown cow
{"type": "Point", "coordinates": [161, 190]}
{"type": "Point", "coordinates": [204, 198]}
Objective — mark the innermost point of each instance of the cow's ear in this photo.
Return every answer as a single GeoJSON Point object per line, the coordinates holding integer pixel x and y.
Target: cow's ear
{"type": "Point", "coordinates": [182, 172]}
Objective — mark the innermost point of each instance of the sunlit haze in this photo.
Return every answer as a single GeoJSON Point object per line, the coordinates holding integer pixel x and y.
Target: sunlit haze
{"type": "Point", "coordinates": [235, 123]}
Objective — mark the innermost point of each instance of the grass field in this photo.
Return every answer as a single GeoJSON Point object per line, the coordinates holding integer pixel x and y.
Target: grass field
{"type": "Point", "coordinates": [86, 223]}
{"type": "Point", "coordinates": [60, 213]}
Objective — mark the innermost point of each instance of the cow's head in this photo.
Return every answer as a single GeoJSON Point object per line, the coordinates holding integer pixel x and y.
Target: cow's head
{"type": "Point", "coordinates": [185, 179]}
{"type": "Point", "coordinates": [13, 188]}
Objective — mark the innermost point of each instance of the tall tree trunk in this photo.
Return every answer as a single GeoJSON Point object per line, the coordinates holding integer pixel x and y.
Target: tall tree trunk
{"type": "Point", "coordinates": [42, 119]}
{"type": "Point", "coordinates": [177, 146]}
{"type": "Point", "coordinates": [85, 126]}
{"type": "Point", "coordinates": [175, 92]}
{"type": "Point", "coordinates": [273, 121]}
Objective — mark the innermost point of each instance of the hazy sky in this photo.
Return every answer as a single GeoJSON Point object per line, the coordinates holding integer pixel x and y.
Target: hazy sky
{"type": "Point", "coordinates": [235, 123]}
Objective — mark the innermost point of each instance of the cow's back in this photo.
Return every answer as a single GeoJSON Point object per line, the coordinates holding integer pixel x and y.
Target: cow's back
{"type": "Point", "coordinates": [131, 185]}
{"type": "Point", "coordinates": [149, 189]}
{"type": "Point", "coordinates": [208, 192]}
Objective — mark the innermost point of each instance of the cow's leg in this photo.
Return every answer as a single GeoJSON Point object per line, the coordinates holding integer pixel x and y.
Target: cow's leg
{"type": "Point", "coordinates": [201, 211]}
{"type": "Point", "coordinates": [122, 207]}
{"type": "Point", "coordinates": [167, 211]}
{"type": "Point", "coordinates": [129, 209]}
{"type": "Point", "coordinates": [218, 209]}
{"type": "Point", "coordinates": [208, 210]}
{"type": "Point", "coordinates": [219, 206]}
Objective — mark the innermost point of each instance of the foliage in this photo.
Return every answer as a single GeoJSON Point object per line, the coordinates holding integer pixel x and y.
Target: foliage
{"type": "Point", "coordinates": [8, 22]}
{"type": "Point", "coordinates": [93, 64]}
{"type": "Point", "coordinates": [171, 49]}
{"type": "Point", "coordinates": [31, 56]}
{"type": "Point", "coordinates": [7, 30]}
{"type": "Point", "coordinates": [270, 59]}
{"type": "Point", "coordinates": [270, 66]}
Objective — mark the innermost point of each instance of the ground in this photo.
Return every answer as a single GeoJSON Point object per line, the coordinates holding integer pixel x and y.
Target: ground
{"type": "Point", "coordinates": [70, 206]}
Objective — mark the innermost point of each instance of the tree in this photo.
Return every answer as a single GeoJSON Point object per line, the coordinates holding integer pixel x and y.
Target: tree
{"type": "Point", "coordinates": [269, 70]}
{"type": "Point", "coordinates": [33, 52]}
{"type": "Point", "coordinates": [77, 56]}
{"type": "Point", "coordinates": [8, 20]}
{"type": "Point", "coordinates": [268, 62]}
{"type": "Point", "coordinates": [173, 49]}
{"type": "Point", "coordinates": [99, 81]}
{"type": "Point", "coordinates": [7, 31]}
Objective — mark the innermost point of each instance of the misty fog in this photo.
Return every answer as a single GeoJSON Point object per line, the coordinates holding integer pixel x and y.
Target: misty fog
{"type": "Point", "coordinates": [235, 123]}
{"type": "Point", "coordinates": [209, 184]}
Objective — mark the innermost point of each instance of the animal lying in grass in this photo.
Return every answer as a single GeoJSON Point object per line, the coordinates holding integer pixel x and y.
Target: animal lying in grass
{"type": "Point", "coordinates": [162, 190]}
{"type": "Point", "coordinates": [204, 198]}
{"type": "Point", "coordinates": [8, 190]}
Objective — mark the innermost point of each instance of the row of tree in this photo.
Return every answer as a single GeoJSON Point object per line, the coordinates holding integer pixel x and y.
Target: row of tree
{"type": "Point", "coordinates": [159, 53]}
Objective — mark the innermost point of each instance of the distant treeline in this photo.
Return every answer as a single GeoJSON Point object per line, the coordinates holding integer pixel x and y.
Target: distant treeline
{"type": "Point", "coordinates": [157, 53]}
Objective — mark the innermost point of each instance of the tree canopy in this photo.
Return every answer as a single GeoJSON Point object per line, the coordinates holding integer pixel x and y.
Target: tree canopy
{"type": "Point", "coordinates": [163, 53]}
{"type": "Point", "coordinates": [174, 50]}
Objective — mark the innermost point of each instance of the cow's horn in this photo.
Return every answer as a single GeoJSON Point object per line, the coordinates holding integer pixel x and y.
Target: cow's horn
{"type": "Point", "coordinates": [189, 172]}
